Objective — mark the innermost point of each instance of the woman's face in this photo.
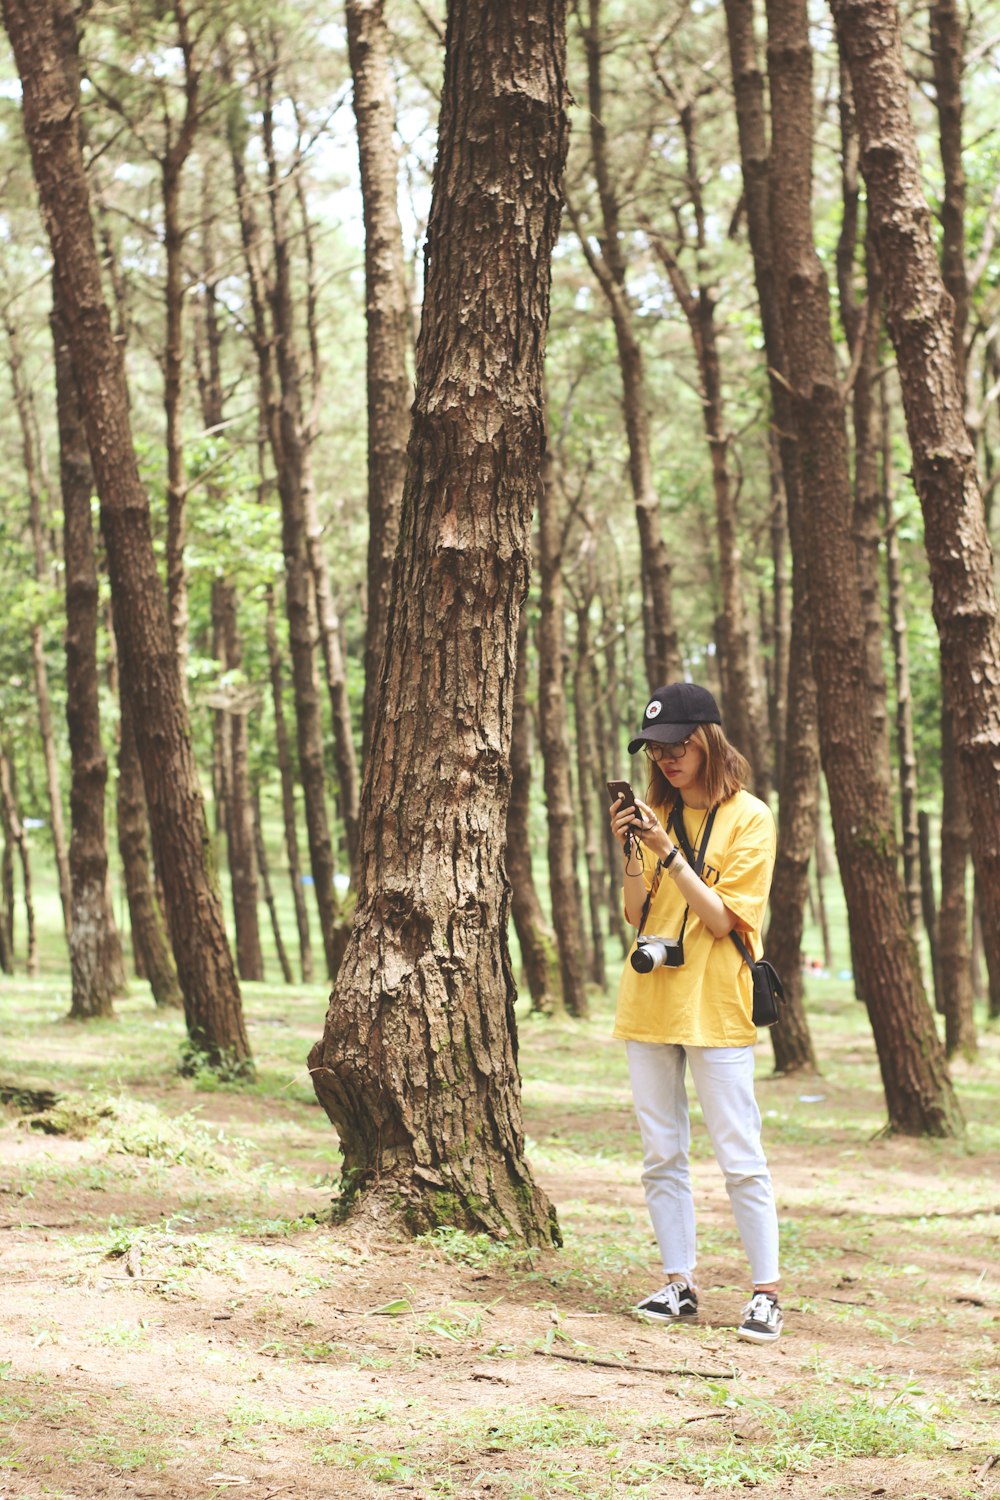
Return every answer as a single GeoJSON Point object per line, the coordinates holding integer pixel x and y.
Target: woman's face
{"type": "Point", "coordinates": [684, 775]}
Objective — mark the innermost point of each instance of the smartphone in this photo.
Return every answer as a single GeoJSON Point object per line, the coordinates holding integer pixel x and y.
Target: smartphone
{"type": "Point", "coordinates": [621, 789]}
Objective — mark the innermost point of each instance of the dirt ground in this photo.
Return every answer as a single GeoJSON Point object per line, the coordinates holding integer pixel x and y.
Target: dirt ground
{"type": "Point", "coordinates": [175, 1325]}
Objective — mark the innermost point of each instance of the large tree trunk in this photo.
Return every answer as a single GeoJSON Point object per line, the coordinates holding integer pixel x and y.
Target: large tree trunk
{"type": "Point", "coordinates": [921, 323]}
{"type": "Point", "coordinates": [919, 1093]}
{"type": "Point", "coordinates": [150, 676]}
{"type": "Point", "coordinates": [535, 937]}
{"type": "Point", "coordinates": [417, 1067]}
{"type": "Point", "coordinates": [553, 737]}
{"type": "Point", "coordinates": [387, 321]}
{"type": "Point", "coordinates": [97, 971]}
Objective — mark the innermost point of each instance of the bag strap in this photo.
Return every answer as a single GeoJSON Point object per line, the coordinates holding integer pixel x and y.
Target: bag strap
{"type": "Point", "coordinates": [741, 945]}
{"type": "Point", "coordinates": [697, 864]}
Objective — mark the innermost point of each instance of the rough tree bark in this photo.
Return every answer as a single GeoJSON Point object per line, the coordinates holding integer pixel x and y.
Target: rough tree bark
{"type": "Point", "coordinates": [387, 321]}
{"type": "Point", "coordinates": [921, 318]}
{"type": "Point", "coordinates": [269, 901]}
{"type": "Point", "coordinates": [97, 971]}
{"type": "Point", "coordinates": [417, 1067]}
{"type": "Point", "coordinates": [535, 937]}
{"type": "Point", "coordinates": [150, 676]}
{"type": "Point", "coordinates": [919, 1095]}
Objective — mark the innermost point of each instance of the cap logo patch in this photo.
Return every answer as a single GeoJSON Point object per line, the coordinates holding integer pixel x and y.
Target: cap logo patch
{"type": "Point", "coordinates": [653, 709]}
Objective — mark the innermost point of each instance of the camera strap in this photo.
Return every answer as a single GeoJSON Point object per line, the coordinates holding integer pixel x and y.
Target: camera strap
{"type": "Point", "coordinates": [675, 825]}
{"type": "Point", "coordinates": [696, 859]}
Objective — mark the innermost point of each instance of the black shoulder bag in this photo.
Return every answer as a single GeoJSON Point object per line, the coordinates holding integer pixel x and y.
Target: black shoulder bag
{"type": "Point", "coordinates": [768, 989]}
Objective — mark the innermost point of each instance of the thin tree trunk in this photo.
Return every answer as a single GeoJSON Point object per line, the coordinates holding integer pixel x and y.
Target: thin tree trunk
{"type": "Point", "coordinates": [906, 754]}
{"type": "Point", "coordinates": [799, 753]}
{"type": "Point", "coordinates": [43, 698]}
{"type": "Point", "coordinates": [741, 709]}
{"type": "Point", "coordinates": [781, 615]}
{"type": "Point", "coordinates": [177, 149]}
{"type": "Point", "coordinates": [150, 677]}
{"type": "Point", "coordinates": [955, 997]}
{"type": "Point", "coordinates": [265, 880]}
{"type": "Point", "coordinates": [287, 775]}
{"type": "Point", "coordinates": [240, 841]}
{"type": "Point", "coordinates": [231, 717]}
{"type": "Point", "coordinates": [921, 323]}
{"type": "Point", "coordinates": [919, 1094]}
{"type": "Point", "coordinates": [387, 320]}
{"type": "Point", "coordinates": [417, 1066]}
{"type": "Point", "coordinates": [587, 778]}
{"type": "Point", "coordinates": [535, 937]}
{"type": "Point", "coordinates": [12, 822]}
{"type": "Point", "coordinates": [862, 324]}
{"type": "Point", "coordinates": [553, 737]}
{"type": "Point", "coordinates": [154, 961]}
{"type": "Point", "coordinates": [96, 967]}
{"type": "Point", "coordinates": [662, 653]}
{"type": "Point", "coordinates": [284, 425]}
{"type": "Point", "coordinates": [928, 901]}
{"type": "Point", "coordinates": [327, 614]}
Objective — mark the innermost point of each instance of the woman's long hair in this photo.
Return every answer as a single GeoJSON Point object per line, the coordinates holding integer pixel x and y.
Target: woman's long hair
{"type": "Point", "coordinates": [726, 771]}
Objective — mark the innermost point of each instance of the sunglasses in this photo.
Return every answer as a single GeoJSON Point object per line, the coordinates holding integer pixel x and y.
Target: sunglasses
{"type": "Point", "coordinates": [668, 752]}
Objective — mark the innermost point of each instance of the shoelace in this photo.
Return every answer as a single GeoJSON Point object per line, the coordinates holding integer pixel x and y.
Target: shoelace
{"type": "Point", "coordinates": [671, 1295]}
{"type": "Point", "coordinates": [759, 1307]}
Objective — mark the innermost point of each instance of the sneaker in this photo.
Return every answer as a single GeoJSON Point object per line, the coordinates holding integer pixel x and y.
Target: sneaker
{"type": "Point", "coordinates": [674, 1303]}
{"type": "Point", "coordinates": [761, 1319]}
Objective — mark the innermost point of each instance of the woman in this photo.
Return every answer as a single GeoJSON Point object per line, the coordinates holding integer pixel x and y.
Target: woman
{"type": "Point", "coordinates": [704, 848]}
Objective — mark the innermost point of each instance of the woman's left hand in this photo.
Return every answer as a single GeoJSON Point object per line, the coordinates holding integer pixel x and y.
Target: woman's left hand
{"type": "Point", "coordinates": [654, 836]}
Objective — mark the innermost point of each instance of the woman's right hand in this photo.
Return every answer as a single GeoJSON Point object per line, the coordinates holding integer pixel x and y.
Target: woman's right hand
{"type": "Point", "coordinates": [623, 821]}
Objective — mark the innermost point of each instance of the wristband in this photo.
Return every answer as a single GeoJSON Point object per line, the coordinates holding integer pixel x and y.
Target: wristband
{"type": "Point", "coordinates": [666, 863]}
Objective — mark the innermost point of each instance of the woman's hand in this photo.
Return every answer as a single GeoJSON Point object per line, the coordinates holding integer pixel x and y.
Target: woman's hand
{"type": "Point", "coordinates": [654, 836]}
{"type": "Point", "coordinates": [623, 821]}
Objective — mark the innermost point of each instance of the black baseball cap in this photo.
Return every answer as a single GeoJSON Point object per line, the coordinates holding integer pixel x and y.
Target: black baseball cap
{"type": "Point", "coordinates": [674, 712]}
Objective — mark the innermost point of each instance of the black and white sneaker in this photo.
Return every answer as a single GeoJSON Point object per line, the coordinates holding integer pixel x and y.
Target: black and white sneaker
{"type": "Point", "coordinates": [762, 1319]}
{"type": "Point", "coordinates": [674, 1303]}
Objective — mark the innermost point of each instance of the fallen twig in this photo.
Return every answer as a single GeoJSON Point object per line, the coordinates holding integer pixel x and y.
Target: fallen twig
{"type": "Point", "coordinates": [617, 1364]}
{"type": "Point", "coordinates": [986, 1467]}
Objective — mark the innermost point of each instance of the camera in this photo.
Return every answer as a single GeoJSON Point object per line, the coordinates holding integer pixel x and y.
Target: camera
{"type": "Point", "coordinates": [657, 953]}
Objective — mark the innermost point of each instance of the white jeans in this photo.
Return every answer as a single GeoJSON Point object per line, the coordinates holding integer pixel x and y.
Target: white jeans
{"type": "Point", "coordinates": [723, 1078]}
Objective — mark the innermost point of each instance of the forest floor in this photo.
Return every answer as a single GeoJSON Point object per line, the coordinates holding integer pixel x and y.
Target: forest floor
{"type": "Point", "coordinates": [176, 1325]}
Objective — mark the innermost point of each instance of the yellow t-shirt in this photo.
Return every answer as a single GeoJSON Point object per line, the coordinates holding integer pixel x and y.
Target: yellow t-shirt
{"type": "Point", "coordinates": [708, 1001]}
